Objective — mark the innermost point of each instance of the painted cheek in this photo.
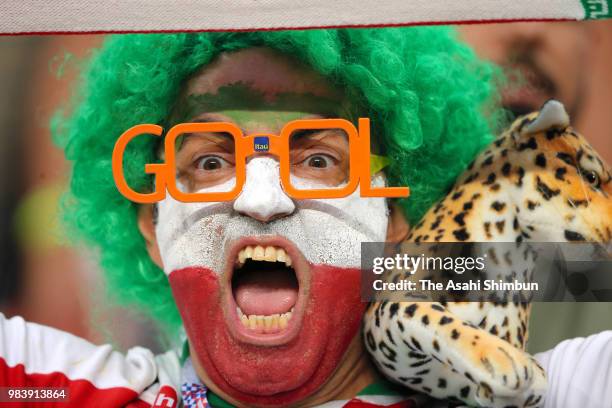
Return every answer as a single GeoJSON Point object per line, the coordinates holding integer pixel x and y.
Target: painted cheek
{"type": "Point", "coordinates": [271, 375]}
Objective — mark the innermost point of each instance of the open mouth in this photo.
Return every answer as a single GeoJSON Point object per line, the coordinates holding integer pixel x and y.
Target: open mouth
{"type": "Point", "coordinates": [265, 289]}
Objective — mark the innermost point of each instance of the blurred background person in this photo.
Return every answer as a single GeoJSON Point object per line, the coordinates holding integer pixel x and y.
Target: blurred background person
{"type": "Point", "coordinates": [44, 277]}
{"type": "Point", "coordinates": [571, 62]}
{"type": "Point", "coordinates": [568, 61]}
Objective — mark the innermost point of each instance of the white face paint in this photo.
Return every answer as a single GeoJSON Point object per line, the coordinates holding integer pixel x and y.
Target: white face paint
{"type": "Point", "coordinates": [326, 231]}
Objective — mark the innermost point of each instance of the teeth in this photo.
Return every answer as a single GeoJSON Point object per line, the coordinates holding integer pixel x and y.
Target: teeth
{"type": "Point", "coordinates": [268, 254]}
{"type": "Point", "coordinates": [266, 324]}
{"type": "Point", "coordinates": [258, 253]}
{"type": "Point", "coordinates": [282, 322]}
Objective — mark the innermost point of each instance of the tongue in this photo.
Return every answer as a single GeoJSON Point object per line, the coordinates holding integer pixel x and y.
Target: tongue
{"type": "Point", "coordinates": [266, 292]}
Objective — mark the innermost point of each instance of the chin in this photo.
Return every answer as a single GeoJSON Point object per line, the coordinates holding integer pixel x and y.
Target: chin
{"type": "Point", "coordinates": [272, 328]}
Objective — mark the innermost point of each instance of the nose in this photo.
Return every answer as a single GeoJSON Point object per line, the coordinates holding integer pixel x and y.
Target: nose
{"type": "Point", "coordinates": [262, 196]}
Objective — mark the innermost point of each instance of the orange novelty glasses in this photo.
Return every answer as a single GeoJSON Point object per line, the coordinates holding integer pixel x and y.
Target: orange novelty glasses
{"type": "Point", "coordinates": [248, 146]}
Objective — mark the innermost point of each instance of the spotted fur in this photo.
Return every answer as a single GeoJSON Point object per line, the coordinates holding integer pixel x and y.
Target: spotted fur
{"type": "Point", "coordinates": [540, 181]}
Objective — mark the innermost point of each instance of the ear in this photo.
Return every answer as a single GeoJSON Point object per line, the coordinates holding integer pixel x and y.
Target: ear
{"type": "Point", "coordinates": [398, 228]}
{"type": "Point", "coordinates": [147, 229]}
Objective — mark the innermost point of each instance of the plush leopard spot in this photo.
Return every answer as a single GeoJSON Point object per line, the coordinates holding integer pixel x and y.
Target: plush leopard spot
{"type": "Point", "coordinates": [460, 218]}
{"type": "Point", "coordinates": [506, 169]}
{"type": "Point", "coordinates": [437, 307]}
{"type": "Point", "coordinates": [566, 158]}
{"type": "Point", "coordinates": [390, 337]}
{"type": "Point", "coordinates": [416, 343]}
{"type": "Point", "coordinates": [530, 144]}
{"type": "Point", "coordinates": [393, 309]}
{"type": "Point", "coordinates": [445, 320]}
{"type": "Point", "coordinates": [388, 352]}
{"type": "Point", "coordinates": [461, 234]}
{"type": "Point", "coordinates": [457, 195]}
{"type": "Point", "coordinates": [420, 363]}
{"type": "Point", "coordinates": [540, 160]}
{"type": "Point", "coordinates": [414, 354]}
{"type": "Point", "coordinates": [545, 190]}
{"type": "Point", "coordinates": [487, 162]}
{"type": "Point", "coordinates": [410, 310]}
{"type": "Point", "coordinates": [520, 172]}
{"type": "Point", "coordinates": [498, 206]}
{"type": "Point", "coordinates": [487, 228]}
{"type": "Point", "coordinates": [560, 173]}
{"type": "Point", "coordinates": [490, 179]}
{"type": "Point", "coordinates": [371, 343]}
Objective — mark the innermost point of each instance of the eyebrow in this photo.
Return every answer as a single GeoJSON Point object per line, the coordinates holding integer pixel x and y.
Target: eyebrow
{"type": "Point", "coordinates": [305, 133]}
{"type": "Point", "coordinates": [302, 133]}
{"type": "Point", "coordinates": [184, 137]}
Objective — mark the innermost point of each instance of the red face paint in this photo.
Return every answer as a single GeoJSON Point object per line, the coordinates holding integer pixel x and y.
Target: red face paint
{"type": "Point", "coordinates": [270, 375]}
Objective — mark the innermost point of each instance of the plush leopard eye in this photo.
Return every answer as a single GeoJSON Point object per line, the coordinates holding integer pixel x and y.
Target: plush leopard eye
{"type": "Point", "coordinates": [592, 178]}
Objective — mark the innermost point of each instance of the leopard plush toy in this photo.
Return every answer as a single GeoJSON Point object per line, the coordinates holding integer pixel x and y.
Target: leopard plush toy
{"type": "Point", "coordinates": [540, 181]}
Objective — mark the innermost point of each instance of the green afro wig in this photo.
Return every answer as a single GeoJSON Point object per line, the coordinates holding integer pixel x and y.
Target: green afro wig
{"type": "Point", "coordinates": [424, 91]}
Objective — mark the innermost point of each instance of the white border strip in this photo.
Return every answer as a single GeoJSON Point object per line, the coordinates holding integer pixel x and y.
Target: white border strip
{"type": "Point", "coordinates": [67, 16]}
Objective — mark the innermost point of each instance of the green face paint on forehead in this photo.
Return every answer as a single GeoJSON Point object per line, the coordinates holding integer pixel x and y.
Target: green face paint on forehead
{"type": "Point", "coordinates": [272, 119]}
{"type": "Point", "coordinates": [247, 107]}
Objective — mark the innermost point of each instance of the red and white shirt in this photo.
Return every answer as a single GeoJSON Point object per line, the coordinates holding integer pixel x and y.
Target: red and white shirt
{"type": "Point", "coordinates": [579, 372]}
{"type": "Point", "coordinates": [32, 355]}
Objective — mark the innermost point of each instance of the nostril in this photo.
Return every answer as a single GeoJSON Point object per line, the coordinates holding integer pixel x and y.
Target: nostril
{"type": "Point", "coordinates": [264, 206]}
{"type": "Point", "coordinates": [264, 217]}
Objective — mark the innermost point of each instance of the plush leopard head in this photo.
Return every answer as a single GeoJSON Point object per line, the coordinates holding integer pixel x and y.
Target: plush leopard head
{"type": "Point", "coordinates": [549, 177]}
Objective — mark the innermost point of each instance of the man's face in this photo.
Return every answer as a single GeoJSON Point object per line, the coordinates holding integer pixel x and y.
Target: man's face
{"type": "Point", "coordinates": [542, 61]}
{"type": "Point", "coordinates": [568, 61]}
{"type": "Point", "coordinates": [267, 286]}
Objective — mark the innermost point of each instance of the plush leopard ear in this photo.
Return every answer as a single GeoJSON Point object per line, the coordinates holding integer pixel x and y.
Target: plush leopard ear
{"type": "Point", "coordinates": [551, 115]}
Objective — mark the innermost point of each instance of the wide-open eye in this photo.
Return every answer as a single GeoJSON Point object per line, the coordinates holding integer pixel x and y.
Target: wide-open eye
{"type": "Point", "coordinates": [210, 163]}
{"type": "Point", "coordinates": [320, 156]}
{"type": "Point", "coordinates": [592, 178]}
{"type": "Point", "coordinates": [319, 161]}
